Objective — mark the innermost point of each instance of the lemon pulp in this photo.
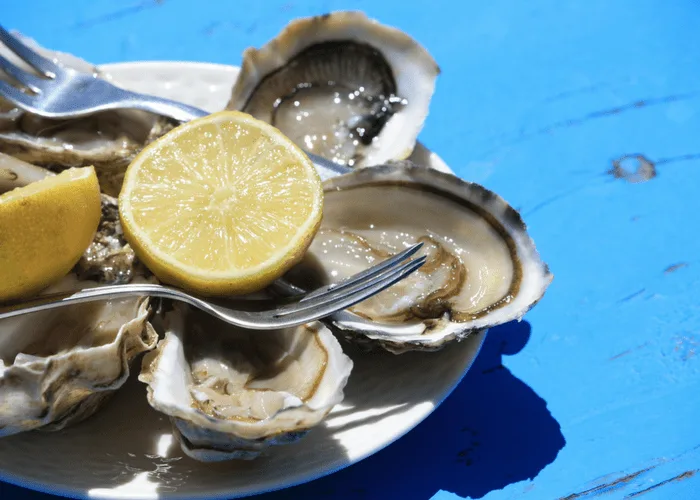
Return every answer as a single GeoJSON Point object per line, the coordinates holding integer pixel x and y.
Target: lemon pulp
{"type": "Point", "coordinates": [221, 205]}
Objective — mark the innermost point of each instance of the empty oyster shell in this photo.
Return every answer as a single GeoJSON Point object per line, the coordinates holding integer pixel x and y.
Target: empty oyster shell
{"type": "Point", "coordinates": [108, 140]}
{"type": "Point", "coordinates": [231, 393]}
{"type": "Point", "coordinates": [342, 86]}
{"type": "Point", "coordinates": [482, 269]}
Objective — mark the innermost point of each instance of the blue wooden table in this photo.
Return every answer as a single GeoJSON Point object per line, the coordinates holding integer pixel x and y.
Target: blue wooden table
{"type": "Point", "coordinates": [554, 105]}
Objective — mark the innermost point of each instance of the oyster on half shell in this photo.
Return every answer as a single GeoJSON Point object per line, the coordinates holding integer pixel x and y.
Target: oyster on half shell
{"type": "Point", "coordinates": [482, 270]}
{"type": "Point", "coordinates": [108, 140]}
{"type": "Point", "coordinates": [342, 86]}
{"type": "Point", "coordinates": [58, 367]}
{"type": "Point", "coordinates": [232, 393]}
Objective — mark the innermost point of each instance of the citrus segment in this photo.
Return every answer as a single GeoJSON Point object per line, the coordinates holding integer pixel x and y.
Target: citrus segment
{"type": "Point", "coordinates": [221, 205]}
{"type": "Point", "coordinates": [44, 229]}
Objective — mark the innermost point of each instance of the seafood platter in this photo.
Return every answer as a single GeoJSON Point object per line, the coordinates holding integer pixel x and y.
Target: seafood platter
{"type": "Point", "coordinates": [343, 86]}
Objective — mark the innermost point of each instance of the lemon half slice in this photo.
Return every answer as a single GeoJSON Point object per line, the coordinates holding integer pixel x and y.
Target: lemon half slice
{"type": "Point", "coordinates": [221, 205]}
{"type": "Point", "coordinates": [44, 229]}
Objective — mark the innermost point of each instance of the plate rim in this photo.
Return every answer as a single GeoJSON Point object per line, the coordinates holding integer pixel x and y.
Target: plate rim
{"type": "Point", "coordinates": [215, 494]}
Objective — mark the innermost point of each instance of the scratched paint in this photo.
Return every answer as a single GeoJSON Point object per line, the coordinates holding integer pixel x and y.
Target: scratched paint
{"type": "Point", "coordinates": [633, 168]}
{"type": "Point", "coordinates": [680, 477]}
{"type": "Point", "coordinates": [608, 487]}
{"type": "Point", "coordinates": [675, 267]}
{"type": "Point", "coordinates": [534, 101]}
{"type": "Point", "coordinates": [657, 480]}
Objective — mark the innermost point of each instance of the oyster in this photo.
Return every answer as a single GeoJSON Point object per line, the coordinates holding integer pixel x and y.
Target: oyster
{"type": "Point", "coordinates": [17, 173]}
{"type": "Point", "coordinates": [231, 393]}
{"type": "Point", "coordinates": [108, 140]}
{"type": "Point", "coordinates": [341, 86]}
{"type": "Point", "coordinates": [57, 367]}
{"type": "Point", "coordinates": [482, 269]}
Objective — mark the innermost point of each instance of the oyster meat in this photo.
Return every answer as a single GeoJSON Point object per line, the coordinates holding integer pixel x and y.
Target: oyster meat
{"type": "Point", "coordinates": [108, 140]}
{"type": "Point", "coordinates": [482, 269]}
{"type": "Point", "coordinates": [232, 393]}
{"type": "Point", "coordinates": [57, 367]}
{"type": "Point", "coordinates": [342, 86]}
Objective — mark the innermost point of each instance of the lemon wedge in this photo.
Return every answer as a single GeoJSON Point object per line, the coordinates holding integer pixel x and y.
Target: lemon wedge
{"type": "Point", "coordinates": [221, 205]}
{"type": "Point", "coordinates": [44, 229]}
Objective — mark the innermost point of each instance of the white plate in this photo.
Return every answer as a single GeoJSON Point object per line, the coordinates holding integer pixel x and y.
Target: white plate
{"type": "Point", "coordinates": [127, 449]}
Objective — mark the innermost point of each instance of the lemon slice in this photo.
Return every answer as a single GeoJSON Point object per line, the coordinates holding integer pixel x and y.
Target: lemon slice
{"type": "Point", "coordinates": [44, 229]}
{"type": "Point", "coordinates": [221, 205]}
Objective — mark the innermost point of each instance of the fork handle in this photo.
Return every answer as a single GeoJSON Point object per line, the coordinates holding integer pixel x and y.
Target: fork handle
{"type": "Point", "coordinates": [164, 107]}
{"type": "Point", "coordinates": [183, 112]}
{"type": "Point", "coordinates": [61, 299]}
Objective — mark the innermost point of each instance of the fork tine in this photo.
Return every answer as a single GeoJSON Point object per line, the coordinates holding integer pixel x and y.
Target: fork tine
{"type": "Point", "coordinates": [336, 295]}
{"type": "Point", "coordinates": [15, 96]}
{"type": "Point", "coordinates": [20, 76]}
{"type": "Point", "coordinates": [367, 273]}
{"type": "Point", "coordinates": [347, 300]}
{"type": "Point", "coordinates": [39, 63]}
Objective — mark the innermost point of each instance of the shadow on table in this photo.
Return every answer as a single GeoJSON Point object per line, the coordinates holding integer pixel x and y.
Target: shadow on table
{"type": "Point", "coordinates": [10, 491]}
{"type": "Point", "coordinates": [492, 431]}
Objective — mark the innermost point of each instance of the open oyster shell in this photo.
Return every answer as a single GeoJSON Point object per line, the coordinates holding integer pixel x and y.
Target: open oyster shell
{"type": "Point", "coordinates": [482, 270]}
{"type": "Point", "coordinates": [342, 86]}
{"type": "Point", "coordinates": [231, 393]}
{"type": "Point", "coordinates": [108, 140]}
{"type": "Point", "coordinates": [57, 367]}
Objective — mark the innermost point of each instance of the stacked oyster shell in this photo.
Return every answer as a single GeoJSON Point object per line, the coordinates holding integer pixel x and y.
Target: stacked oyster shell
{"type": "Point", "coordinates": [355, 92]}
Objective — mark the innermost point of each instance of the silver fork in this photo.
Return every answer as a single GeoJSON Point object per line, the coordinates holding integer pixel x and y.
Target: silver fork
{"type": "Point", "coordinates": [59, 92]}
{"type": "Point", "coordinates": [317, 304]}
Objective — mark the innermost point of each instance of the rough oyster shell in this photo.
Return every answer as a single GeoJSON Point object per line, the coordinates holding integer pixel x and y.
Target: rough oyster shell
{"type": "Point", "coordinates": [57, 367]}
{"type": "Point", "coordinates": [17, 173]}
{"type": "Point", "coordinates": [483, 268]}
{"type": "Point", "coordinates": [232, 393]}
{"type": "Point", "coordinates": [342, 86]}
{"type": "Point", "coordinates": [110, 259]}
{"type": "Point", "coordinates": [107, 140]}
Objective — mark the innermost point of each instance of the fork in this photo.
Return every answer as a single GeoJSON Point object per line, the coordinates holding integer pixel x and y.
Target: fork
{"type": "Point", "coordinates": [320, 303]}
{"type": "Point", "coordinates": [59, 92]}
